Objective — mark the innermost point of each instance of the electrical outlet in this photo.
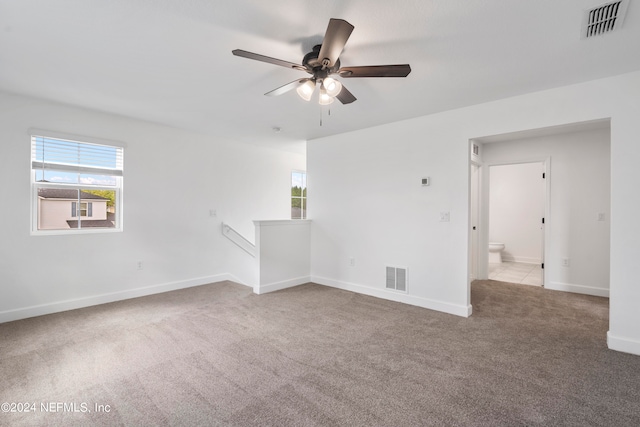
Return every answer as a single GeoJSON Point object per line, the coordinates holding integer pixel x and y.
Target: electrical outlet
{"type": "Point", "coordinates": [213, 213]}
{"type": "Point", "coordinates": [140, 265]}
{"type": "Point", "coordinates": [352, 262]}
{"type": "Point", "coordinates": [445, 216]}
{"type": "Point", "coordinates": [566, 262]}
{"type": "Point", "coordinates": [601, 216]}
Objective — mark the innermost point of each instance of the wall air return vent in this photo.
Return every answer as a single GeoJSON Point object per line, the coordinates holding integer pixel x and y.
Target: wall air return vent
{"type": "Point", "coordinates": [604, 19]}
{"type": "Point", "coordinates": [397, 278]}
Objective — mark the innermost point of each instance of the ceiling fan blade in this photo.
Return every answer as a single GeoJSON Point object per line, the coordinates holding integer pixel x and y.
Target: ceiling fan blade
{"type": "Point", "coordinates": [345, 96]}
{"type": "Point", "coordinates": [258, 57]}
{"type": "Point", "coordinates": [335, 38]}
{"type": "Point", "coordinates": [286, 88]}
{"type": "Point", "coordinates": [402, 70]}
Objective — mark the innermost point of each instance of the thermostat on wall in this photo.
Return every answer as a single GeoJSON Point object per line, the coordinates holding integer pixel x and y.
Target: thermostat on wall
{"type": "Point", "coordinates": [425, 181]}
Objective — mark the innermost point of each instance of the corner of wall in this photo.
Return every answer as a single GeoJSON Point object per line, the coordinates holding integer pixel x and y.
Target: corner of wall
{"type": "Point", "coordinates": [625, 345]}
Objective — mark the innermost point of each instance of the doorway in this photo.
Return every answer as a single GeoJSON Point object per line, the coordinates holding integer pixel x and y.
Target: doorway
{"type": "Point", "coordinates": [517, 205]}
{"type": "Point", "coordinates": [577, 203]}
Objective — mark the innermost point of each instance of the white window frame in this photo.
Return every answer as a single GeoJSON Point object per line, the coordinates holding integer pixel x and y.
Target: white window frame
{"type": "Point", "coordinates": [117, 188]}
{"type": "Point", "coordinates": [303, 199]}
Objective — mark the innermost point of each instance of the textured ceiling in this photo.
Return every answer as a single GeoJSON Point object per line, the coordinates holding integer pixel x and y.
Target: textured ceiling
{"type": "Point", "coordinates": [170, 61]}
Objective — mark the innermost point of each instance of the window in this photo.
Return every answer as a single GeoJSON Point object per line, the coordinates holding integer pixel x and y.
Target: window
{"type": "Point", "coordinates": [298, 195]}
{"type": "Point", "coordinates": [76, 185]}
{"type": "Point", "coordinates": [83, 209]}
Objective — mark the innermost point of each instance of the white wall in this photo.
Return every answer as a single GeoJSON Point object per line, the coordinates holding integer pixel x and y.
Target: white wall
{"type": "Point", "coordinates": [366, 201]}
{"type": "Point", "coordinates": [516, 209]}
{"type": "Point", "coordinates": [579, 174]}
{"type": "Point", "coordinates": [180, 245]}
{"type": "Point", "coordinates": [283, 254]}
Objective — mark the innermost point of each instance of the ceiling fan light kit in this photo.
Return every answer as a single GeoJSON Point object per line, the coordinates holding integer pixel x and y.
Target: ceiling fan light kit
{"type": "Point", "coordinates": [306, 89]}
{"type": "Point", "coordinates": [324, 98]}
{"type": "Point", "coordinates": [332, 86]}
{"type": "Point", "coordinates": [324, 61]}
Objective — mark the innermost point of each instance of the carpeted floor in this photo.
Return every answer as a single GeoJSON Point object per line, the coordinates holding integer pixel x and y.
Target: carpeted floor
{"type": "Point", "coordinates": [313, 355]}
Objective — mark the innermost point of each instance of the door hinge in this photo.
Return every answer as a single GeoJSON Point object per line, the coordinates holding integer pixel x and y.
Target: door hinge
{"type": "Point", "coordinates": [542, 265]}
{"type": "Point", "coordinates": [543, 220]}
{"type": "Point", "coordinates": [543, 175]}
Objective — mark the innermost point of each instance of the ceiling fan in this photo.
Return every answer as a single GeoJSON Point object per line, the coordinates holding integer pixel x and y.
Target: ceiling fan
{"type": "Point", "coordinates": [322, 63]}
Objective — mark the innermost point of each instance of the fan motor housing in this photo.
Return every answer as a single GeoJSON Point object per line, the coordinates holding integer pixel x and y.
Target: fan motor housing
{"type": "Point", "coordinates": [314, 65]}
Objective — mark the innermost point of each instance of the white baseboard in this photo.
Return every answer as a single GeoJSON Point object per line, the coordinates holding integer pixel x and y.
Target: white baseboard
{"type": "Point", "coordinates": [71, 304]}
{"type": "Point", "coordinates": [522, 259]}
{"type": "Point", "coordinates": [624, 345]}
{"type": "Point", "coordinates": [577, 289]}
{"type": "Point", "coordinates": [458, 310]}
{"type": "Point", "coordinates": [276, 286]}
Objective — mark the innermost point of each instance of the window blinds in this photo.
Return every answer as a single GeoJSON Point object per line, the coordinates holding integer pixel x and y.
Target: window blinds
{"type": "Point", "coordinates": [74, 156]}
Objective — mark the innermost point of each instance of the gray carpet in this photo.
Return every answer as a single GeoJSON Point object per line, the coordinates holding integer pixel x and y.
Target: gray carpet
{"type": "Point", "coordinates": [312, 355]}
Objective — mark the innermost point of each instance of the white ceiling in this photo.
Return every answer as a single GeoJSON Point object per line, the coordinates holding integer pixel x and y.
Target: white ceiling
{"type": "Point", "coordinates": [170, 61]}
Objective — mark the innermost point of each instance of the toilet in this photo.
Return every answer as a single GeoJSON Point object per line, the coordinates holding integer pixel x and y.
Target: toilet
{"type": "Point", "coordinates": [495, 252]}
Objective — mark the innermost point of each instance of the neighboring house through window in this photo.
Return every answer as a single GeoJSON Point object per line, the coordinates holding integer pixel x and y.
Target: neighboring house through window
{"type": "Point", "coordinates": [298, 195]}
{"type": "Point", "coordinates": [76, 185]}
{"type": "Point", "coordinates": [60, 209]}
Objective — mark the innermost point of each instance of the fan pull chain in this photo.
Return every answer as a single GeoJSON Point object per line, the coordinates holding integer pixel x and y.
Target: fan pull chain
{"type": "Point", "coordinates": [328, 113]}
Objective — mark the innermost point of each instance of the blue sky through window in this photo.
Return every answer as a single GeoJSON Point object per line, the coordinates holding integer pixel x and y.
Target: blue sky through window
{"type": "Point", "coordinates": [75, 178]}
{"type": "Point", "coordinates": [299, 179]}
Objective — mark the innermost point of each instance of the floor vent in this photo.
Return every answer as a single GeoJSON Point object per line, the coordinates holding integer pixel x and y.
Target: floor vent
{"type": "Point", "coordinates": [397, 278]}
{"type": "Point", "coordinates": [604, 18]}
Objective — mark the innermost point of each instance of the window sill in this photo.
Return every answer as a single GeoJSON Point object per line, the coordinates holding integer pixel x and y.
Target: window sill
{"type": "Point", "coordinates": [74, 231]}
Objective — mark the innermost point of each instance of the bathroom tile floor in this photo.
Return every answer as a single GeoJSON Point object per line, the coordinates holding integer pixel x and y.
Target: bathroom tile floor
{"type": "Point", "coordinates": [516, 272]}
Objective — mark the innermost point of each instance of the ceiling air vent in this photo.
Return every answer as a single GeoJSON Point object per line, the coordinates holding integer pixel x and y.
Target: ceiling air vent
{"type": "Point", "coordinates": [604, 18]}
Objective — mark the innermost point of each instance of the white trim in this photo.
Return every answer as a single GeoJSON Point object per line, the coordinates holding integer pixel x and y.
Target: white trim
{"type": "Point", "coordinates": [578, 289]}
{"type": "Point", "coordinates": [445, 307]}
{"type": "Point", "coordinates": [625, 345]}
{"type": "Point", "coordinates": [521, 259]}
{"type": "Point", "coordinates": [277, 222]}
{"type": "Point", "coordinates": [276, 286]}
{"type": "Point", "coordinates": [71, 304]}
{"type": "Point", "coordinates": [87, 230]}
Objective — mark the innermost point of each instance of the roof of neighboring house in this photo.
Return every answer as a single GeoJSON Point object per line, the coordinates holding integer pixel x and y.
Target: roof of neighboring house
{"type": "Point", "coordinates": [65, 193]}
{"type": "Point", "coordinates": [110, 222]}
{"type": "Point", "coordinates": [92, 223]}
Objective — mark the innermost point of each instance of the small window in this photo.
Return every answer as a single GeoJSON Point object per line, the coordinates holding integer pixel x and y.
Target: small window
{"type": "Point", "coordinates": [298, 195]}
{"type": "Point", "coordinates": [76, 186]}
